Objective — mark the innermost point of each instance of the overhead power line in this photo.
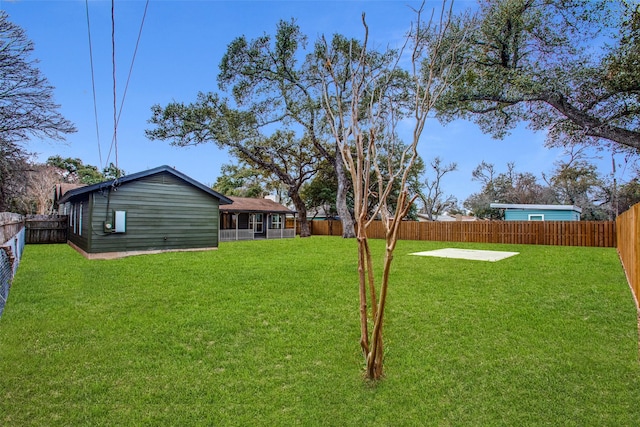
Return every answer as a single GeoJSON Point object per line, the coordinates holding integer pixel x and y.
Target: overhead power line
{"type": "Point", "coordinates": [116, 112]}
{"type": "Point", "coordinates": [114, 141]}
{"type": "Point", "coordinates": [113, 64]}
{"type": "Point", "coordinates": [93, 85]}
{"type": "Point", "coordinates": [135, 51]}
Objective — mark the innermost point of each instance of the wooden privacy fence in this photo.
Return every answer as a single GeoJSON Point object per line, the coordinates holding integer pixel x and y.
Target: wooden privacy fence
{"type": "Point", "coordinates": [11, 246]}
{"type": "Point", "coordinates": [46, 229]}
{"type": "Point", "coordinates": [559, 233]}
{"type": "Point", "coordinates": [10, 225]}
{"type": "Point", "coordinates": [628, 227]}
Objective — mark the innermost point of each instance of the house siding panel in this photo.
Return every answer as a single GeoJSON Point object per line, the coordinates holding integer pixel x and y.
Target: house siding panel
{"type": "Point", "coordinates": [162, 212]}
{"type": "Point", "coordinates": [80, 236]}
{"type": "Point", "coordinates": [549, 215]}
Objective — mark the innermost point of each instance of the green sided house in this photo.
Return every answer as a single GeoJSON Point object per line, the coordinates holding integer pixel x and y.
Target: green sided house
{"type": "Point", "coordinates": [527, 212]}
{"type": "Point", "coordinates": [156, 210]}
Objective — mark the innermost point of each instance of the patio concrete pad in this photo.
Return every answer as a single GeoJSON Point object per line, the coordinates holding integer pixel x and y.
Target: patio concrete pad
{"type": "Point", "coordinates": [472, 254]}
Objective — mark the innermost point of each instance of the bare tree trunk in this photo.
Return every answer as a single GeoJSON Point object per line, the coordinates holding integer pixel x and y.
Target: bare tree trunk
{"type": "Point", "coordinates": [305, 230]}
{"type": "Point", "coordinates": [375, 358]}
{"type": "Point", "coordinates": [371, 279]}
{"type": "Point", "coordinates": [364, 130]}
{"type": "Point", "coordinates": [374, 361]}
{"type": "Point", "coordinates": [362, 274]}
{"type": "Point", "coordinates": [348, 229]}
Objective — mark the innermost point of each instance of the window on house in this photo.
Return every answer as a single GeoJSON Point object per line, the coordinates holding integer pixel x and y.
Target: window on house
{"type": "Point", "coordinates": [276, 222]}
{"type": "Point", "coordinates": [73, 218]}
{"type": "Point", "coordinates": [80, 220]}
{"type": "Point", "coordinates": [227, 221]}
{"type": "Point", "coordinates": [76, 216]}
{"type": "Point", "coordinates": [536, 217]}
{"type": "Point", "coordinates": [255, 222]}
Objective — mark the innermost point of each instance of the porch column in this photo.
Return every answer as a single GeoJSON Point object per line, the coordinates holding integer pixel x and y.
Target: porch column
{"type": "Point", "coordinates": [283, 224]}
{"type": "Point", "coordinates": [237, 219]}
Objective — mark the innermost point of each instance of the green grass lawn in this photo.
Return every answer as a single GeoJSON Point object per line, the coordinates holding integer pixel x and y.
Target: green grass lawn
{"type": "Point", "coordinates": [266, 333]}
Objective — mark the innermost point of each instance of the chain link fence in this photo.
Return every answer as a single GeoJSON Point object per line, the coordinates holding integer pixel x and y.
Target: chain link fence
{"type": "Point", "coordinates": [10, 254]}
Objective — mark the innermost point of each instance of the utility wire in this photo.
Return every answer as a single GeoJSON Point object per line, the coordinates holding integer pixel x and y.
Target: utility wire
{"type": "Point", "coordinates": [114, 142]}
{"type": "Point", "coordinates": [113, 63]}
{"type": "Point", "coordinates": [135, 51]}
{"type": "Point", "coordinates": [93, 85]}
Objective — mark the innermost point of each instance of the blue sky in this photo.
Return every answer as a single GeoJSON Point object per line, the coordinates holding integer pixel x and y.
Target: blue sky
{"type": "Point", "coordinates": [181, 46]}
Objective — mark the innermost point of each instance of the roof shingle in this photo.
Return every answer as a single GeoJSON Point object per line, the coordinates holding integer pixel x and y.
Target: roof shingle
{"type": "Point", "coordinates": [248, 204]}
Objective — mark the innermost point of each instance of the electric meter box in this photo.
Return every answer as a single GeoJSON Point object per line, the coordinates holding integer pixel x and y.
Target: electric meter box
{"type": "Point", "coordinates": [117, 224]}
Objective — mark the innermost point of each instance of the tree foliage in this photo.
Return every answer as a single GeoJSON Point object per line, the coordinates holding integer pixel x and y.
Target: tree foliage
{"type": "Point", "coordinates": [283, 154]}
{"type": "Point", "coordinates": [568, 67]}
{"type": "Point", "coordinates": [270, 89]}
{"type": "Point", "coordinates": [111, 171]}
{"type": "Point", "coordinates": [628, 194]}
{"type": "Point", "coordinates": [506, 187]}
{"type": "Point", "coordinates": [242, 181]}
{"type": "Point", "coordinates": [573, 181]}
{"type": "Point", "coordinates": [268, 76]}
{"type": "Point", "coordinates": [32, 190]}
{"type": "Point", "coordinates": [576, 181]}
{"type": "Point", "coordinates": [320, 193]}
{"type": "Point", "coordinates": [27, 109]}
{"type": "Point", "coordinates": [74, 171]}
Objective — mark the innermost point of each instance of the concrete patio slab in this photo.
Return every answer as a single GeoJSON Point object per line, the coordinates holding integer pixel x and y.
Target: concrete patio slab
{"type": "Point", "coordinates": [470, 254]}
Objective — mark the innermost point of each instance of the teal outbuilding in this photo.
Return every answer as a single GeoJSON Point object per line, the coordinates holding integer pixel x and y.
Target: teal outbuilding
{"type": "Point", "coordinates": [156, 210]}
{"type": "Point", "coordinates": [526, 212]}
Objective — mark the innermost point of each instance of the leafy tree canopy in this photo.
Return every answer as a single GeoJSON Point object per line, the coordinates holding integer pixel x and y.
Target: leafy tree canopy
{"type": "Point", "coordinates": [75, 171]}
{"type": "Point", "coordinates": [242, 181]}
{"type": "Point", "coordinates": [319, 194]}
{"type": "Point", "coordinates": [628, 194]}
{"type": "Point", "coordinates": [568, 67]}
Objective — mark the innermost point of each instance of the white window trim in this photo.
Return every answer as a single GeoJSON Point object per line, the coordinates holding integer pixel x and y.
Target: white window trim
{"type": "Point", "coordinates": [276, 222]}
{"type": "Point", "coordinates": [73, 218]}
{"type": "Point", "coordinates": [80, 220]}
{"type": "Point", "coordinates": [541, 216]}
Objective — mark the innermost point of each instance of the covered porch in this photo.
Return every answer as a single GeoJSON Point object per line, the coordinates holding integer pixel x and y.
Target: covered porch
{"type": "Point", "coordinates": [250, 219]}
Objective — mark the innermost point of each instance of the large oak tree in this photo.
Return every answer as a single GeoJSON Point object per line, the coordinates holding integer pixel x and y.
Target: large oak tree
{"type": "Point", "coordinates": [291, 158]}
{"type": "Point", "coordinates": [270, 87]}
{"type": "Point", "coordinates": [568, 67]}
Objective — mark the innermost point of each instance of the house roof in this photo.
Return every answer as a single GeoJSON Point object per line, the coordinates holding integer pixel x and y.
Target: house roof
{"type": "Point", "coordinates": [135, 176]}
{"type": "Point", "coordinates": [62, 188]}
{"type": "Point", "coordinates": [248, 204]}
{"type": "Point", "coordinates": [536, 207]}
{"type": "Point", "coordinates": [321, 212]}
{"type": "Point", "coordinates": [447, 218]}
